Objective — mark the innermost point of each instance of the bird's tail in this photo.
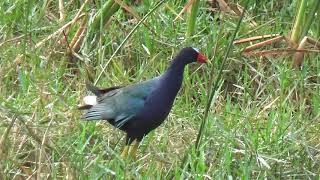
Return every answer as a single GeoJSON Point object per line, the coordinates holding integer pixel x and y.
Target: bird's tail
{"type": "Point", "coordinates": [89, 102]}
{"type": "Point", "coordinates": [95, 112]}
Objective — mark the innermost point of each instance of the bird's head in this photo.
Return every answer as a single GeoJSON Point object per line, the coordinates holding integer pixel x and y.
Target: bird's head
{"type": "Point", "coordinates": [190, 55]}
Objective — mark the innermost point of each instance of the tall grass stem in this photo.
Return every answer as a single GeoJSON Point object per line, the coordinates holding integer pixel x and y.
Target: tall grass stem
{"type": "Point", "coordinates": [310, 17]}
{"type": "Point", "coordinates": [192, 17]}
{"type": "Point", "coordinates": [217, 82]}
{"type": "Point", "coordinates": [127, 37]}
{"type": "Point", "coordinates": [297, 28]}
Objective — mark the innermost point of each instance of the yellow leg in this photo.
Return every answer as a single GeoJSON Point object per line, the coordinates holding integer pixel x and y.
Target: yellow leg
{"type": "Point", "coordinates": [133, 149]}
{"type": "Point", "coordinates": [124, 153]}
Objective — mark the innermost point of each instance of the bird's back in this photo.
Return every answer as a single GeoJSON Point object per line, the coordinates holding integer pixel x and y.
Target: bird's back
{"type": "Point", "coordinates": [157, 106]}
{"type": "Point", "coordinates": [120, 105]}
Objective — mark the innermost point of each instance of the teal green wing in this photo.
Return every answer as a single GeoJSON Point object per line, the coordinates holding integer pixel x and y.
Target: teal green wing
{"type": "Point", "coordinates": [119, 105]}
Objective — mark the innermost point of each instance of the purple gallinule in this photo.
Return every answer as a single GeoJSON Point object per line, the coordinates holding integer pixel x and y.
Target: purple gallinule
{"type": "Point", "coordinates": [139, 108]}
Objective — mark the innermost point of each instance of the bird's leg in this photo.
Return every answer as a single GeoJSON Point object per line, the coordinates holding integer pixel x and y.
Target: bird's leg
{"type": "Point", "coordinates": [134, 148]}
{"type": "Point", "coordinates": [125, 151]}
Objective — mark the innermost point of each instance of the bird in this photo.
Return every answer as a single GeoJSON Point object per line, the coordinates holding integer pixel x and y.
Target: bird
{"type": "Point", "coordinates": [139, 108]}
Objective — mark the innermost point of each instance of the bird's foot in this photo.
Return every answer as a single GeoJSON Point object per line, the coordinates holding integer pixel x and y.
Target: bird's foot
{"type": "Point", "coordinates": [130, 152]}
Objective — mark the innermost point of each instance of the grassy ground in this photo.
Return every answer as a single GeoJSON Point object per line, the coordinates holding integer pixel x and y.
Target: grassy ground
{"type": "Point", "coordinates": [264, 122]}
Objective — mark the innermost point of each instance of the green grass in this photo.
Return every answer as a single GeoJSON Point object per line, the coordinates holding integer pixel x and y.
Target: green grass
{"type": "Point", "coordinates": [264, 122]}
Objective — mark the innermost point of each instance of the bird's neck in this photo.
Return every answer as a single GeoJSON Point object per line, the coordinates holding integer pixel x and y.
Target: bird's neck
{"type": "Point", "coordinates": [174, 76]}
{"type": "Point", "coordinates": [176, 67]}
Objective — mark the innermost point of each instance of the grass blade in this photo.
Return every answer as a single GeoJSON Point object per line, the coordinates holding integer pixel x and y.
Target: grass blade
{"type": "Point", "coordinates": [217, 82]}
{"type": "Point", "coordinates": [192, 17]}
{"type": "Point", "coordinates": [311, 17]}
{"type": "Point", "coordinates": [104, 14]}
{"type": "Point", "coordinates": [296, 31]}
{"type": "Point", "coordinates": [127, 37]}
